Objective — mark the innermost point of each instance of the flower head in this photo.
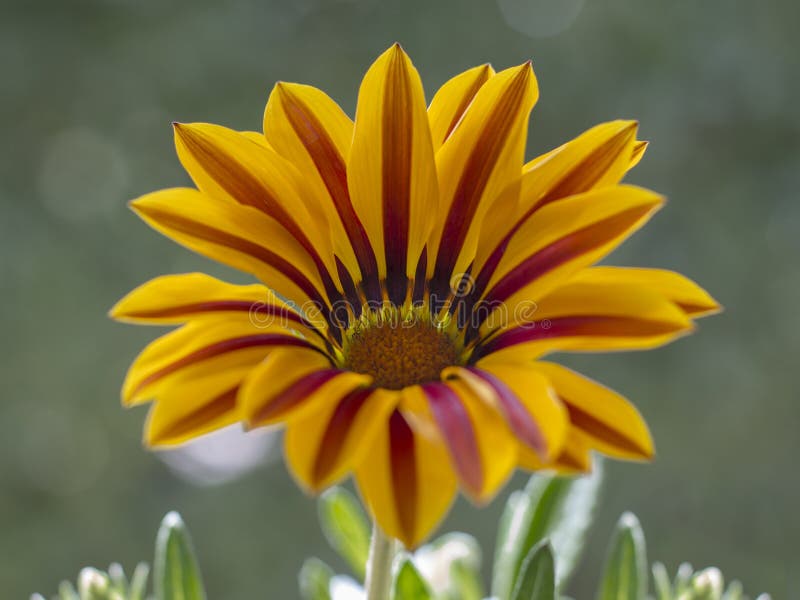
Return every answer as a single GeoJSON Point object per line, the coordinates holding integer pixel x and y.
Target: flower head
{"type": "Point", "coordinates": [414, 271]}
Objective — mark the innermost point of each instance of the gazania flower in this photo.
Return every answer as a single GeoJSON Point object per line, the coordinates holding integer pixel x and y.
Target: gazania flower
{"type": "Point", "coordinates": [414, 271]}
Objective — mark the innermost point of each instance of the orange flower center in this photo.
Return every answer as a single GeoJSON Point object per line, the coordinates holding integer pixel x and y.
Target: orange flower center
{"type": "Point", "coordinates": [399, 351]}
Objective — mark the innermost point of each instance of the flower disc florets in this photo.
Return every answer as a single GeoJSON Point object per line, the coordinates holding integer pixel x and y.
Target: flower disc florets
{"type": "Point", "coordinates": [400, 347]}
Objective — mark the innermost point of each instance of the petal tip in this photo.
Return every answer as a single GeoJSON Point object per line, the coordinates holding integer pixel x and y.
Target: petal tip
{"type": "Point", "coordinates": [114, 311]}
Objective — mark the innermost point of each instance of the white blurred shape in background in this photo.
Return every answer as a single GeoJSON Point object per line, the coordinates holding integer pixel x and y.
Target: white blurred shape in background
{"type": "Point", "coordinates": [223, 455]}
{"type": "Point", "coordinates": [343, 587]}
{"type": "Point", "coordinates": [540, 18]}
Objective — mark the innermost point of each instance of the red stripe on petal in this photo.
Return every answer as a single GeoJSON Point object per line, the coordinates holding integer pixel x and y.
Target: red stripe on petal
{"type": "Point", "coordinates": [219, 348]}
{"type": "Point", "coordinates": [332, 169]}
{"type": "Point", "coordinates": [458, 431]}
{"type": "Point", "coordinates": [518, 417]}
{"type": "Point", "coordinates": [477, 171]}
{"type": "Point", "coordinates": [467, 100]}
{"type": "Point", "coordinates": [397, 131]}
{"type": "Point", "coordinates": [213, 409]}
{"type": "Point", "coordinates": [563, 250]}
{"type": "Point", "coordinates": [215, 236]}
{"type": "Point", "coordinates": [574, 461]}
{"type": "Point", "coordinates": [402, 456]}
{"type": "Point", "coordinates": [588, 172]}
{"type": "Point", "coordinates": [586, 326]}
{"type": "Point", "coordinates": [293, 394]}
{"type": "Point", "coordinates": [258, 309]}
{"type": "Point", "coordinates": [603, 431]}
{"type": "Point", "coordinates": [227, 172]}
{"type": "Point", "coordinates": [238, 181]}
{"type": "Point", "coordinates": [329, 453]}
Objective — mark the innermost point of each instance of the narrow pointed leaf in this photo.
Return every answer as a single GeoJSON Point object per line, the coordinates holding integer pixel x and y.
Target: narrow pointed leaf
{"type": "Point", "coordinates": [409, 584]}
{"type": "Point", "coordinates": [315, 580]}
{"type": "Point", "coordinates": [625, 575]}
{"type": "Point", "coordinates": [555, 508]}
{"type": "Point", "coordinates": [66, 591]}
{"type": "Point", "coordinates": [176, 573]}
{"type": "Point", "coordinates": [509, 540]}
{"type": "Point", "coordinates": [119, 582]}
{"type": "Point", "coordinates": [537, 578]}
{"type": "Point", "coordinates": [735, 591]}
{"type": "Point", "coordinates": [661, 582]}
{"type": "Point", "coordinates": [138, 585]}
{"type": "Point", "coordinates": [345, 527]}
{"type": "Point", "coordinates": [683, 578]}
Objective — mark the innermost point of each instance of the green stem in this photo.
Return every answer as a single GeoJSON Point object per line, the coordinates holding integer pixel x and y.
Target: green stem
{"type": "Point", "coordinates": [379, 565]}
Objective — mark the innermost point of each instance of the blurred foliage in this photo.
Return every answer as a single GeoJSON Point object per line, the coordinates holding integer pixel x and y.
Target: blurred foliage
{"type": "Point", "coordinates": [89, 88]}
{"type": "Point", "coordinates": [448, 568]}
{"type": "Point", "coordinates": [176, 573]}
{"type": "Point", "coordinates": [540, 537]}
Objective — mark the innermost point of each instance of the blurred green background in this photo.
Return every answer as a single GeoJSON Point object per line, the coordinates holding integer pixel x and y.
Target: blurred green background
{"type": "Point", "coordinates": [88, 90]}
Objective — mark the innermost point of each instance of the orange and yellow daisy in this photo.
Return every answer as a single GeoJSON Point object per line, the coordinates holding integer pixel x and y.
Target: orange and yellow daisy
{"type": "Point", "coordinates": [414, 270]}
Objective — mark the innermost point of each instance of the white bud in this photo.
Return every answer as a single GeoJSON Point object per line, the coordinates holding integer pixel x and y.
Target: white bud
{"type": "Point", "coordinates": [92, 583]}
{"type": "Point", "coordinates": [708, 584]}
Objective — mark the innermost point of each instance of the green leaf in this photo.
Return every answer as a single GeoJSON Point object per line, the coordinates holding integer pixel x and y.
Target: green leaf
{"type": "Point", "coordinates": [119, 582]}
{"type": "Point", "coordinates": [138, 586]}
{"type": "Point", "coordinates": [345, 527]}
{"type": "Point", "coordinates": [176, 573]}
{"type": "Point", "coordinates": [683, 579]}
{"type": "Point", "coordinates": [556, 508]}
{"type": "Point", "coordinates": [315, 580]}
{"type": "Point", "coordinates": [735, 591]}
{"type": "Point", "coordinates": [537, 578]}
{"type": "Point", "coordinates": [625, 575]}
{"type": "Point", "coordinates": [465, 581]}
{"type": "Point", "coordinates": [509, 540]}
{"type": "Point", "coordinates": [661, 582]}
{"type": "Point", "coordinates": [66, 591]}
{"type": "Point", "coordinates": [409, 584]}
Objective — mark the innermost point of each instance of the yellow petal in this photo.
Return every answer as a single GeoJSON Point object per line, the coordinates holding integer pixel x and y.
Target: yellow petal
{"type": "Point", "coordinates": [612, 424]}
{"type": "Point", "coordinates": [597, 158]}
{"type": "Point", "coordinates": [563, 237]}
{"type": "Point", "coordinates": [322, 447]}
{"type": "Point", "coordinates": [258, 138]}
{"type": "Point", "coordinates": [479, 159]}
{"type": "Point", "coordinates": [391, 170]}
{"type": "Point", "coordinates": [406, 480]}
{"type": "Point", "coordinates": [493, 392]}
{"type": "Point", "coordinates": [310, 130]}
{"type": "Point", "coordinates": [239, 236]}
{"type": "Point", "coordinates": [575, 457]}
{"type": "Point", "coordinates": [175, 299]}
{"type": "Point", "coordinates": [495, 445]}
{"type": "Point", "coordinates": [639, 149]}
{"type": "Point", "coordinates": [533, 391]}
{"type": "Point", "coordinates": [198, 349]}
{"type": "Point", "coordinates": [690, 297]}
{"type": "Point", "coordinates": [226, 164]}
{"type": "Point", "coordinates": [191, 408]}
{"type": "Point", "coordinates": [452, 100]}
{"type": "Point", "coordinates": [591, 316]}
{"type": "Point", "coordinates": [291, 383]}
